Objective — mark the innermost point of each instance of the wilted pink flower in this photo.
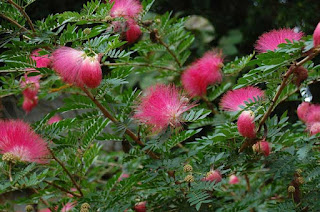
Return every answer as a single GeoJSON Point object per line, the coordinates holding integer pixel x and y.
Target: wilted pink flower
{"type": "Point", "coordinates": [161, 106]}
{"type": "Point", "coordinates": [202, 73]}
{"type": "Point", "coordinates": [316, 36]}
{"type": "Point", "coordinates": [31, 85]}
{"type": "Point", "coordinates": [246, 126]}
{"type": "Point", "coordinates": [29, 104]}
{"type": "Point", "coordinates": [314, 128]}
{"type": "Point", "coordinates": [54, 119]}
{"type": "Point", "coordinates": [123, 176]}
{"type": "Point", "coordinates": [42, 61]}
{"type": "Point", "coordinates": [303, 110]}
{"type": "Point", "coordinates": [133, 33]}
{"type": "Point", "coordinates": [77, 68]}
{"type": "Point", "coordinates": [271, 40]}
{"type": "Point", "coordinates": [18, 139]}
{"type": "Point", "coordinates": [125, 8]}
{"type": "Point", "coordinates": [262, 147]}
{"type": "Point", "coordinates": [141, 207]}
{"type": "Point", "coordinates": [233, 179]}
{"type": "Point", "coordinates": [213, 175]}
{"type": "Point", "coordinates": [235, 98]}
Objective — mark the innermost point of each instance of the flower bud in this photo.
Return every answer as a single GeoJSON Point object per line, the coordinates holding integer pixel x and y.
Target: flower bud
{"type": "Point", "coordinates": [9, 157]}
{"type": "Point", "coordinates": [213, 176]}
{"type": "Point", "coordinates": [299, 171]}
{"type": "Point", "coordinates": [29, 208]}
{"type": "Point", "coordinates": [291, 189]}
{"type": "Point", "coordinates": [189, 179]}
{"type": "Point", "coordinates": [262, 147]}
{"type": "Point", "coordinates": [302, 111]}
{"type": "Point", "coordinates": [87, 31]}
{"type": "Point", "coordinates": [187, 168]}
{"type": "Point", "coordinates": [85, 206]}
{"type": "Point", "coordinates": [316, 36]}
{"type": "Point", "coordinates": [141, 207]}
{"type": "Point", "coordinates": [300, 180]}
{"type": "Point", "coordinates": [246, 126]}
{"type": "Point", "coordinates": [233, 179]}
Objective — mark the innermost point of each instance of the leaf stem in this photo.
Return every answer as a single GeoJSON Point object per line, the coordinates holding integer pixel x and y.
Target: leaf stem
{"type": "Point", "coordinates": [209, 104]}
{"type": "Point", "coordinates": [67, 172]}
{"type": "Point", "coordinates": [108, 115]}
{"type": "Point", "coordinates": [61, 188]}
{"type": "Point", "coordinates": [23, 13]}
{"type": "Point", "coordinates": [13, 22]}
{"type": "Point", "coordinates": [139, 64]}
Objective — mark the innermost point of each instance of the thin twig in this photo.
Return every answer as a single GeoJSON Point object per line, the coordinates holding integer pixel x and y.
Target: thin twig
{"type": "Point", "coordinates": [61, 188]}
{"type": "Point", "coordinates": [23, 13]}
{"type": "Point", "coordinates": [169, 50]}
{"type": "Point", "coordinates": [209, 104]}
{"type": "Point", "coordinates": [13, 22]}
{"type": "Point", "coordinates": [139, 64]}
{"type": "Point", "coordinates": [42, 200]}
{"type": "Point", "coordinates": [67, 172]}
{"type": "Point", "coordinates": [108, 115]}
{"type": "Point", "coordinates": [248, 182]}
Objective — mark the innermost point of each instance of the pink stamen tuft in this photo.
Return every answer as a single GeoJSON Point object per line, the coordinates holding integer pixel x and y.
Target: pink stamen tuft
{"type": "Point", "coordinates": [42, 61]}
{"type": "Point", "coordinates": [125, 8]}
{"type": "Point", "coordinates": [17, 138]}
{"type": "Point", "coordinates": [235, 98]}
{"type": "Point", "coordinates": [161, 106]}
{"type": "Point", "coordinates": [202, 73]}
{"type": "Point", "coordinates": [316, 36]}
{"type": "Point", "coordinates": [271, 40]}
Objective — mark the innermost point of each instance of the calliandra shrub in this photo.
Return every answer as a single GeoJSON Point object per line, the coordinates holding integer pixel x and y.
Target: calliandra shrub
{"type": "Point", "coordinates": [130, 139]}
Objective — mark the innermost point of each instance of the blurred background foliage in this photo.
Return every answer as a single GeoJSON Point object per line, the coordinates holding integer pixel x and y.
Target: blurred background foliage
{"type": "Point", "coordinates": [232, 25]}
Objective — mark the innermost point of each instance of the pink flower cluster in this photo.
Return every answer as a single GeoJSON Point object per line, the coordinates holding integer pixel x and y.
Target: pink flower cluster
{"type": "Point", "coordinates": [310, 114]}
{"type": "Point", "coordinates": [77, 68]}
{"type": "Point", "coordinates": [271, 40]}
{"type": "Point", "coordinates": [31, 85]}
{"type": "Point", "coordinates": [129, 10]}
{"type": "Point", "coordinates": [202, 73]}
{"type": "Point", "coordinates": [18, 139]}
{"type": "Point", "coordinates": [161, 106]}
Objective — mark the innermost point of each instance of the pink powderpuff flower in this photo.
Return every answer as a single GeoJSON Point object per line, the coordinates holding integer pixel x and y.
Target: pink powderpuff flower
{"type": "Point", "coordinates": [141, 207]}
{"type": "Point", "coordinates": [202, 73]}
{"type": "Point", "coordinates": [314, 128]}
{"type": "Point", "coordinates": [313, 114]}
{"type": "Point", "coordinates": [18, 139]}
{"type": "Point", "coordinates": [133, 33]}
{"type": "Point", "coordinates": [54, 119]}
{"type": "Point", "coordinates": [233, 179]}
{"type": "Point", "coordinates": [316, 36]}
{"type": "Point", "coordinates": [31, 85]}
{"type": "Point", "coordinates": [271, 40]}
{"type": "Point", "coordinates": [262, 147]}
{"type": "Point", "coordinates": [303, 110]}
{"type": "Point", "coordinates": [125, 8]}
{"type": "Point", "coordinates": [246, 126]}
{"type": "Point", "coordinates": [213, 175]}
{"type": "Point", "coordinates": [77, 68]}
{"type": "Point", "coordinates": [235, 98]}
{"type": "Point", "coordinates": [161, 106]}
{"type": "Point", "coordinates": [29, 104]}
{"type": "Point", "coordinates": [42, 61]}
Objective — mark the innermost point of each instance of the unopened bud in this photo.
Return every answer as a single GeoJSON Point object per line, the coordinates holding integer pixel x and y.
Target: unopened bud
{"type": "Point", "coordinates": [29, 208]}
{"type": "Point", "coordinates": [9, 157]}
{"type": "Point", "coordinates": [299, 171]}
{"type": "Point", "coordinates": [189, 179]}
{"type": "Point", "coordinates": [84, 210]}
{"type": "Point", "coordinates": [85, 206]}
{"type": "Point", "coordinates": [262, 147]}
{"type": "Point", "coordinates": [87, 31]}
{"type": "Point", "coordinates": [300, 180]}
{"type": "Point", "coordinates": [187, 168]}
{"type": "Point", "coordinates": [291, 189]}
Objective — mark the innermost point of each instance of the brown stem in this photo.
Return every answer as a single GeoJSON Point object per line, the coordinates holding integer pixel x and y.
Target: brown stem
{"type": "Point", "coordinates": [23, 13]}
{"type": "Point", "coordinates": [209, 104]}
{"type": "Point", "coordinates": [67, 172]}
{"type": "Point", "coordinates": [283, 85]}
{"type": "Point", "coordinates": [108, 115]}
{"type": "Point", "coordinates": [61, 188]}
{"type": "Point", "coordinates": [248, 182]}
{"type": "Point", "coordinates": [13, 22]}
{"type": "Point", "coordinates": [169, 50]}
{"type": "Point", "coordinates": [139, 64]}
